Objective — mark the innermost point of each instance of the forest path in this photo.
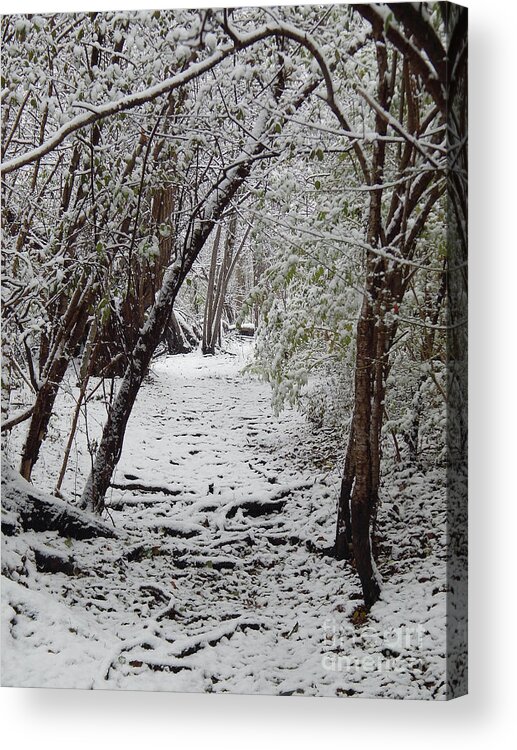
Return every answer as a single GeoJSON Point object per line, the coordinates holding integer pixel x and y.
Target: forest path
{"type": "Point", "coordinates": [210, 584]}
{"type": "Point", "coordinates": [211, 474]}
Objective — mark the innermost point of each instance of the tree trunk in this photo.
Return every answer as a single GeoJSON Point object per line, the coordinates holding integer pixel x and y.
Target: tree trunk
{"type": "Point", "coordinates": [359, 495]}
{"type": "Point", "coordinates": [208, 318]}
{"type": "Point", "coordinates": [218, 281]}
{"type": "Point", "coordinates": [361, 500]}
{"type": "Point", "coordinates": [73, 330]}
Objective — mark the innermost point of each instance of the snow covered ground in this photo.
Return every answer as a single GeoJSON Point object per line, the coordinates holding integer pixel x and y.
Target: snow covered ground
{"type": "Point", "coordinates": [209, 584]}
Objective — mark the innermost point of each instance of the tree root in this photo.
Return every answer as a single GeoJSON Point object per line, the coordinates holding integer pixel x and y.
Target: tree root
{"type": "Point", "coordinates": [50, 561]}
{"type": "Point", "coordinates": [38, 511]}
{"type": "Point", "coordinates": [146, 488]}
{"type": "Point", "coordinates": [150, 645]}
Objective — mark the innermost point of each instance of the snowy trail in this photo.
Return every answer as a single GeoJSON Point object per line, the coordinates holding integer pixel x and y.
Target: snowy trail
{"type": "Point", "coordinates": [210, 584]}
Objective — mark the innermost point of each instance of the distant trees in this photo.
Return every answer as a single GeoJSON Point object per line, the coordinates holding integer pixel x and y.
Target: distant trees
{"type": "Point", "coordinates": [222, 267]}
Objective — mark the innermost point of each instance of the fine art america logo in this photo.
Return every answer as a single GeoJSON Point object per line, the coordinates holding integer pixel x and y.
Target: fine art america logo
{"type": "Point", "coordinates": [367, 649]}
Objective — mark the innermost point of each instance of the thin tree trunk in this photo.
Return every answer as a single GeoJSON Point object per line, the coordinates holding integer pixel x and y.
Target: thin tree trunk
{"type": "Point", "coordinates": [210, 296]}
{"type": "Point", "coordinates": [75, 324]}
{"type": "Point", "coordinates": [85, 370]}
{"type": "Point", "coordinates": [222, 283]}
{"type": "Point", "coordinates": [213, 320]}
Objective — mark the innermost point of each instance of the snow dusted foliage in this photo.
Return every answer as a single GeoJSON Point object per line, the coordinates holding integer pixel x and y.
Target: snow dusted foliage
{"type": "Point", "coordinates": [171, 181]}
{"type": "Point", "coordinates": [108, 207]}
{"type": "Point", "coordinates": [312, 225]}
{"type": "Point", "coordinates": [309, 295]}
